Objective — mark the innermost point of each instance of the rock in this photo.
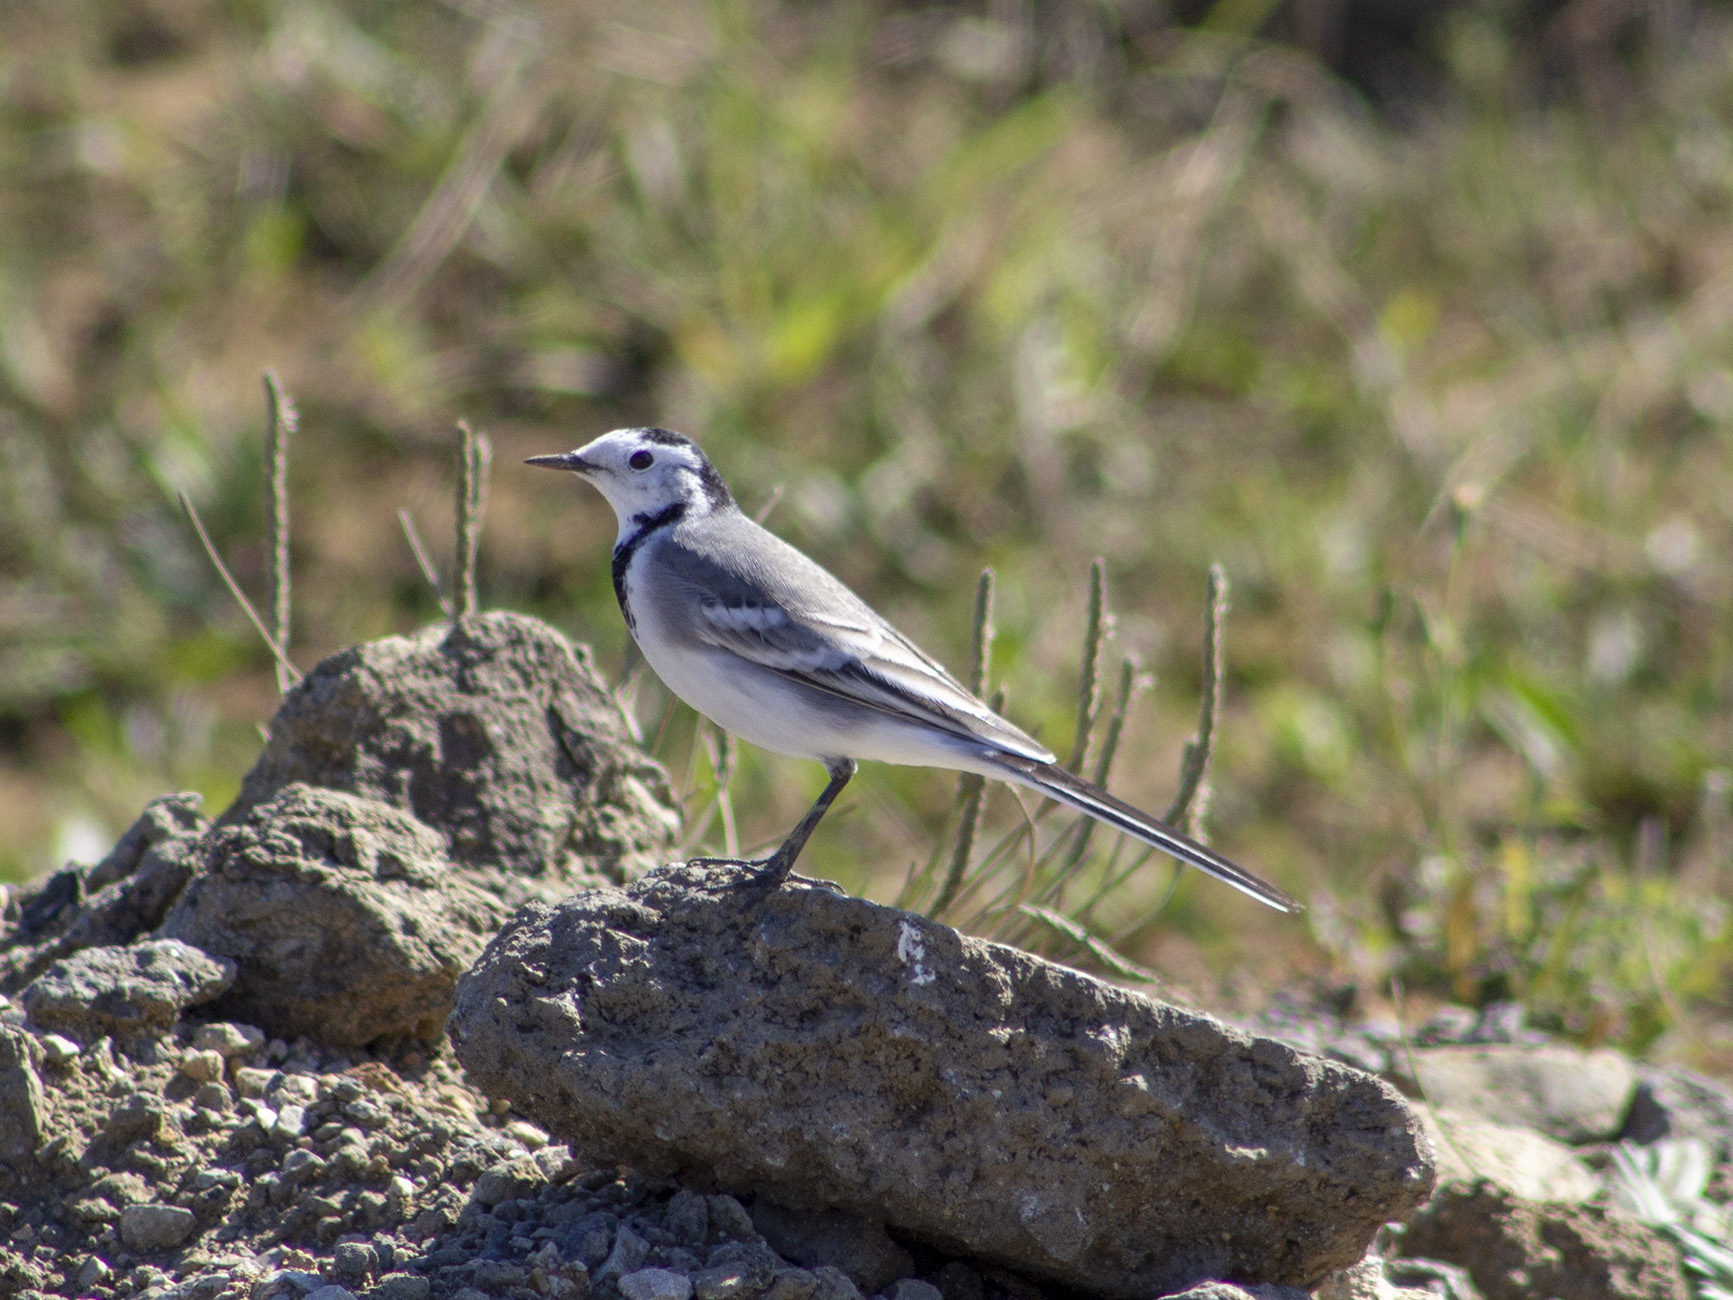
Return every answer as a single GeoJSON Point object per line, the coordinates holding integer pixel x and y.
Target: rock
{"type": "Point", "coordinates": [1675, 1103]}
{"type": "Point", "coordinates": [228, 1040]}
{"type": "Point", "coordinates": [342, 914]}
{"type": "Point", "coordinates": [828, 1051]}
{"type": "Point", "coordinates": [508, 1180]}
{"type": "Point", "coordinates": [355, 1258]}
{"type": "Point", "coordinates": [1566, 1093]}
{"type": "Point", "coordinates": [912, 1288]}
{"type": "Point", "coordinates": [1371, 1279]}
{"type": "Point", "coordinates": [331, 1292]}
{"type": "Point", "coordinates": [24, 1112]}
{"type": "Point", "coordinates": [114, 902]}
{"type": "Point", "coordinates": [155, 1227]}
{"type": "Point", "coordinates": [1235, 1291]}
{"type": "Point", "coordinates": [1516, 1249]}
{"type": "Point", "coordinates": [128, 992]}
{"type": "Point", "coordinates": [655, 1284]}
{"type": "Point", "coordinates": [495, 731]}
{"type": "Point", "coordinates": [401, 1286]}
{"type": "Point", "coordinates": [859, 1247]}
{"type": "Point", "coordinates": [1519, 1160]}
{"type": "Point", "coordinates": [1432, 1278]}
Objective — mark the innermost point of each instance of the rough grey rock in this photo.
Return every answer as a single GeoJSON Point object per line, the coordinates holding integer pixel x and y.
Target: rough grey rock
{"type": "Point", "coordinates": [122, 897]}
{"type": "Point", "coordinates": [24, 1111]}
{"type": "Point", "coordinates": [829, 1051]}
{"type": "Point", "coordinates": [1524, 1163]}
{"type": "Point", "coordinates": [1562, 1091]}
{"type": "Point", "coordinates": [1675, 1103]}
{"type": "Point", "coordinates": [345, 918]}
{"type": "Point", "coordinates": [1234, 1291]}
{"type": "Point", "coordinates": [859, 1247]}
{"type": "Point", "coordinates": [655, 1284]}
{"type": "Point", "coordinates": [126, 992]}
{"type": "Point", "coordinates": [497, 732]}
{"type": "Point", "coordinates": [155, 1227]}
{"type": "Point", "coordinates": [1516, 1250]}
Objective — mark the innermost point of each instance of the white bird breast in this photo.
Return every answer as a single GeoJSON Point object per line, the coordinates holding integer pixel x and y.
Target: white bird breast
{"type": "Point", "coordinates": [759, 704]}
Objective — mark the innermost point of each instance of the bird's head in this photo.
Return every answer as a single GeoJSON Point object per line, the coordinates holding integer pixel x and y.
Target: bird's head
{"type": "Point", "coordinates": [642, 472]}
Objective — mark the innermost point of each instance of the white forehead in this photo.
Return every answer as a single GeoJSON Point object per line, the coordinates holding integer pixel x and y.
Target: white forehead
{"type": "Point", "coordinates": [621, 443]}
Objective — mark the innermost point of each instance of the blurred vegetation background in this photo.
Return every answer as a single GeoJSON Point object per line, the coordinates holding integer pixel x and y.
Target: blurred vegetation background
{"type": "Point", "coordinates": [1416, 319]}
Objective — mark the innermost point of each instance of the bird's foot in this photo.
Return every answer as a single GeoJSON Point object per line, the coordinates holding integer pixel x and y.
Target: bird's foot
{"type": "Point", "coordinates": [764, 879]}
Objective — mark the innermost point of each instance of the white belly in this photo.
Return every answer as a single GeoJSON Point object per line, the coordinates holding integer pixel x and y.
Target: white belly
{"type": "Point", "coordinates": [776, 713]}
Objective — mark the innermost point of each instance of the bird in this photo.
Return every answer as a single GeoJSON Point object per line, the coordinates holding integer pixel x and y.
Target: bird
{"type": "Point", "coordinates": [770, 646]}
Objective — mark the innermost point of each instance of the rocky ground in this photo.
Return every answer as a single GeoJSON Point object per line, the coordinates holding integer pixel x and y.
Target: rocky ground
{"type": "Point", "coordinates": [225, 1071]}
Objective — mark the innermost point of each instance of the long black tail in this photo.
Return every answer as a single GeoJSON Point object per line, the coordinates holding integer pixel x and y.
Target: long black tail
{"type": "Point", "coordinates": [1054, 781]}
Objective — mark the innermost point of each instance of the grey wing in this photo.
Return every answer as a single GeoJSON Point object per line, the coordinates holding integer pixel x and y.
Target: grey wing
{"type": "Point", "coordinates": [763, 600]}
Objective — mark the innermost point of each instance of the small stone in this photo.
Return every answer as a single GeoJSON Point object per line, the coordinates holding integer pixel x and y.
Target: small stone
{"type": "Point", "coordinates": [212, 1096]}
{"type": "Point", "coordinates": [229, 1039]}
{"type": "Point", "coordinates": [332, 1292]}
{"type": "Point", "coordinates": [58, 1050]}
{"type": "Point", "coordinates": [655, 1284]}
{"type": "Point", "coordinates": [557, 1163]}
{"type": "Point", "coordinates": [687, 1218]}
{"type": "Point", "coordinates": [95, 1271]}
{"type": "Point", "coordinates": [1561, 1091]}
{"type": "Point", "coordinates": [355, 1258]}
{"type": "Point", "coordinates": [203, 1066]}
{"type": "Point", "coordinates": [727, 1282]}
{"type": "Point", "coordinates": [912, 1288]}
{"type": "Point", "coordinates": [131, 991]}
{"type": "Point", "coordinates": [792, 1284]}
{"type": "Point", "coordinates": [628, 1255]}
{"type": "Point", "coordinates": [508, 1180]}
{"type": "Point", "coordinates": [533, 1138]}
{"type": "Point", "coordinates": [24, 1113]}
{"type": "Point", "coordinates": [728, 1218]}
{"type": "Point", "coordinates": [252, 1082]}
{"type": "Point", "coordinates": [155, 1227]}
{"type": "Point", "coordinates": [401, 1286]}
{"type": "Point", "coordinates": [291, 1123]}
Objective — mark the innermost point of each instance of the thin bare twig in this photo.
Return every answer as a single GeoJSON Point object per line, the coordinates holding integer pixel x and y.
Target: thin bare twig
{"type": "Point", "coordinates": [1095, 634]}
{"type": "Point", "coordinates": [279, 427]}
{"type": "Point", "coordinates": [971, 788]}
{"type": "Point", "coordinates": [769, 504]}
{"type": "Point", "coordinates": [1194, 765]}
{"type": "Point", "coordinates": [475, 453]}
{"type": "Point", "coordinates": [422, 559]}
{"type": "Point", "coordinates": [283, 664]}
{"type": "Point", "coordinates": [1129, 685]}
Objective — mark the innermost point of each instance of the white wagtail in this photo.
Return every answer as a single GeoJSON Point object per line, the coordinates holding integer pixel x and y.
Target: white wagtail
{"type": "Point", "coordinates": [768, 645]}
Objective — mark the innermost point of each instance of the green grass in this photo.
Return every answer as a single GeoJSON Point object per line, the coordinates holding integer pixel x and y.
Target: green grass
{"type": "Point", "coordinates": [1450, 404]}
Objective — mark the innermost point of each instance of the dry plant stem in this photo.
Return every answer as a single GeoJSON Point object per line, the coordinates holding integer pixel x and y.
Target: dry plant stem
{"type": "Point", "coordinates": [1128, 688]}
{"type": "Point", "coordinates": [283, 664]}
{"type": "Point", "coordinates": [1194, 766]}
{"type": "Point", "coordinates": [1095, 634]}
{"type": "Point", "coordinates": [474, 454]}
{"type": "Point", "coordinates": [422, 559]}
{"type": "Point", "coordinates": [279, 426]}
{"type": "Point", "coordinates": [1408, 1052]}
{"type": "Point", "coordinates": [971, 788]}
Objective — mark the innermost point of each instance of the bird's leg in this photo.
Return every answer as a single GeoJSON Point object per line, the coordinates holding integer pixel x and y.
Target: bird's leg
{"type": "Point", "coordinates": [772, 871]}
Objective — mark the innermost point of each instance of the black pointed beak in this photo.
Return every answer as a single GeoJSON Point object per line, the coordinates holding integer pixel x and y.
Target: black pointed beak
{"type": "Point", "coordinates": [567, 460]}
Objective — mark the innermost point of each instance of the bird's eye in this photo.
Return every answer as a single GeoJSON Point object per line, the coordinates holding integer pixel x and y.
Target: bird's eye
{"type": "Point", "coordinates": [641, 460]}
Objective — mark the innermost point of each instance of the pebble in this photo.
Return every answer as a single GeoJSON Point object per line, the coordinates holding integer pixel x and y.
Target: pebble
{"type": "Point", "coordinates": [155, 1227]}
{"type": "Point", "coordinates": [655, 1284]}
{"type": "Point", "coordinates": [59, 1049]}
{"type": "Point", "coordinates": [251, 1082]}
{"type": "Point", "coordinates": [204, 1066]}
{"type": "Point", "coordinates": [229, 1039]}
{"type": "Point", "coordinates": [402, 1286]}
{"type": "Point", "coordinates": [332, 1292]}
